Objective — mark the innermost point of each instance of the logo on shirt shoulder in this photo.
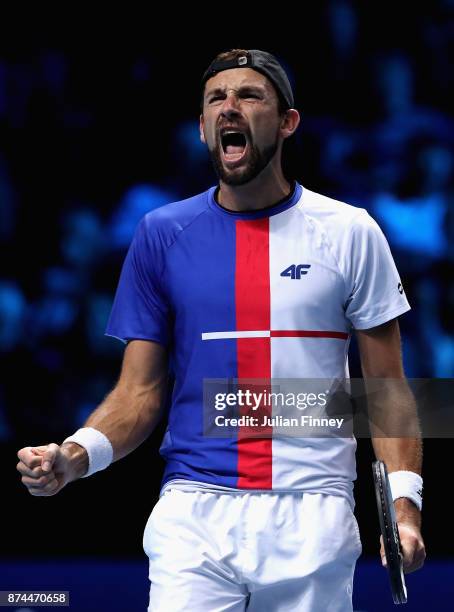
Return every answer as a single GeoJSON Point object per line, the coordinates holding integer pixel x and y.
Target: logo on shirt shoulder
{"type": "Point", "coordinates": [400, 289]}
{"type": "Point", "coordinates": [296, 271]}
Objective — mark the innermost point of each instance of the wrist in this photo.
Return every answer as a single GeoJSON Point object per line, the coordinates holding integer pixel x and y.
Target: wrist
{"type": "Point", "coordinates": [406, 484]}
{"type": "Point", "coordinates": [77, 457]}
{"type": "Point", "coordinates": [407, 512]}
{"type": "Point", "coordinates": [97, 446]}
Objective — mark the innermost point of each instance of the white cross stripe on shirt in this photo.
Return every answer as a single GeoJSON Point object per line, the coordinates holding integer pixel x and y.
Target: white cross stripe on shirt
{"type": "Point", "coordinates": [273, 333]}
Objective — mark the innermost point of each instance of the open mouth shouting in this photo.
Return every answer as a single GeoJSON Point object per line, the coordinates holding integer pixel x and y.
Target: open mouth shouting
{"type": "Point", "coordinates": [234, 145]}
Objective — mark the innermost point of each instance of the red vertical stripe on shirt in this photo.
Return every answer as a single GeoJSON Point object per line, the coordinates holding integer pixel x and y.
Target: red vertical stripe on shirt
{"type": "Point", "coordinates": [252, 299]}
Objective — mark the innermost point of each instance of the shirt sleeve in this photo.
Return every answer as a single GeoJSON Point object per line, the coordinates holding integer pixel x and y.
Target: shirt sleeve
{"type": "Point", "coordinates": [374, 291]}
{"type": "Point", "coordinates": [140, 310]}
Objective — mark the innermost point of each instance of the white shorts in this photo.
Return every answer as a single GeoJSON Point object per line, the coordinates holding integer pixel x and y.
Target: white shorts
{"type": "Point", "coordinates": [255, 551]}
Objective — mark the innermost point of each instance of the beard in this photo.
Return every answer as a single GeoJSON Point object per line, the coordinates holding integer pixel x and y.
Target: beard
{"type": "Point", "coordinates": [256, 162]}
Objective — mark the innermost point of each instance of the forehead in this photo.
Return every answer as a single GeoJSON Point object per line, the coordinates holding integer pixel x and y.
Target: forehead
{"type": "Point", "coordinates": [236, 78]}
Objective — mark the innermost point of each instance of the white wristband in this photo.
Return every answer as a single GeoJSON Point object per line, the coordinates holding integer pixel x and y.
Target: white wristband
{"type": "Point", "coordinates": [98, 447]}
{"type": "Point", "coordinates": [406, 484]}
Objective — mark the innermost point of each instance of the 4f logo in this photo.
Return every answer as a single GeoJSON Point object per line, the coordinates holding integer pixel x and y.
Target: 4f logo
{"type": "Point", "coordinates": [296, 271]}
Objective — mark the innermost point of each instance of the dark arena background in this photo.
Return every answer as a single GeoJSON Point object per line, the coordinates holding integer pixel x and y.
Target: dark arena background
{"type": "Point", "coordinates": [99, 125]}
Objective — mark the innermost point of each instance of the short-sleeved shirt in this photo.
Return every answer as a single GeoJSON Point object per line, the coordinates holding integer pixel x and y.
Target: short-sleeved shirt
{"type": "Point", "coordinates": [273, 293]}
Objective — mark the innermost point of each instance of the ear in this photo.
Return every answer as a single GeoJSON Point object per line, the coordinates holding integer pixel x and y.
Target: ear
{"type": "Point", "coordinates": [201, 126]}
{"type": "Point", "coordinates": [290, 122]}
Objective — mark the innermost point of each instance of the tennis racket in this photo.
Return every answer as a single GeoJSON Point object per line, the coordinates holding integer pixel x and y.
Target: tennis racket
{"type": "Point", "coordinates": [390, 532]}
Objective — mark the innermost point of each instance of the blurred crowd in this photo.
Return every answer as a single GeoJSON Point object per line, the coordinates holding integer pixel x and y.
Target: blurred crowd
{"type": "Point", "coordinates": [377, 131]}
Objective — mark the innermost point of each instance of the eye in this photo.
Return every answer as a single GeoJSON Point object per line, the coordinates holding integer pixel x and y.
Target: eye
{"type": "Point", "coordinates": [215, 99]}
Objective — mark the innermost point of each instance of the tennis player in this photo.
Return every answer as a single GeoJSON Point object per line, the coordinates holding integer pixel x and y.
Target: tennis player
{"type": "Point", "coordinates": [256, 278]}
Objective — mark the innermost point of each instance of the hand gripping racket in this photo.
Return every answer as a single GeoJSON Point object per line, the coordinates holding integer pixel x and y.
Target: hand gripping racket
{"type": "Point", "coordinates": [390, 532]}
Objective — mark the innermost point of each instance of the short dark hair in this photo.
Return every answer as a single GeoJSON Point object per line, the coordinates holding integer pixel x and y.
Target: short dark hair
{"type": "Point", "coordinates": [233, 54]}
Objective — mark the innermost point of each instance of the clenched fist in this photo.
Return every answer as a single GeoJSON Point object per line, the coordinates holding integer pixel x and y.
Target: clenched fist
{"type": "Point", "coordinates": [47, 469]}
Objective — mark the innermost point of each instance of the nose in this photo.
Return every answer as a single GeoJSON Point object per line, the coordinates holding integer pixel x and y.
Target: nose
{"type": "Point", "coordinates": [230, 106]}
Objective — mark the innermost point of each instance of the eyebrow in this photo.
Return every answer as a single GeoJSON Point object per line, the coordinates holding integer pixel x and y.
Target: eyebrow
{"type": "Point", "coordinates": [242, 89]}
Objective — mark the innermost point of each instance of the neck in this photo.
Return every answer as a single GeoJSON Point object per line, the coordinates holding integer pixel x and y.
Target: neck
{"type": "Point", "coordinates": [266, 189]}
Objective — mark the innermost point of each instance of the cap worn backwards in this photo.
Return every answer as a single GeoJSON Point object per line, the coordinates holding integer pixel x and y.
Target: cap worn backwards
{"type": "Point", "coordinates": [262, 62]}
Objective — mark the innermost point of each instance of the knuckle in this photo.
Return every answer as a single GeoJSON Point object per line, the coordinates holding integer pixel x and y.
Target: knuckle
{"type": "Point", "coordinates": [51, 450]}
{"type": "Point", "coordinates": [22, 452]}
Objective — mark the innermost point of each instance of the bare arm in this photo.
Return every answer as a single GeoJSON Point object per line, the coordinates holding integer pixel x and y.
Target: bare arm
{"type": "Point", "coordinates": [131, 411]}
{"type": "Point", "coordinates": [380, 350]}
{"type": "Point", "coordinates": [395, 408]}
{"type": "Point", "coordinates": [127, 416]}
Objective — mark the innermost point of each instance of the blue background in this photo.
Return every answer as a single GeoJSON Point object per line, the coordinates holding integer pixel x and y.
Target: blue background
{"type": "Point", "coordinates": [98, 125]}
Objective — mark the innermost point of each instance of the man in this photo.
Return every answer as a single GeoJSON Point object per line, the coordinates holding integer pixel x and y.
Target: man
{"type": "Point", "coordinates": [254, 279]}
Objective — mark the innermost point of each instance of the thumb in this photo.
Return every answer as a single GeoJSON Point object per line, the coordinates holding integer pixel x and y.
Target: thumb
{"type": "Point", "coordinates": [48, 457]}
{"type": "Point", "coordinates": [382, 552]}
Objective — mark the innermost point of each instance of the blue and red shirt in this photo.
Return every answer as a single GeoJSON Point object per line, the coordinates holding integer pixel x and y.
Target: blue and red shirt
{"type": "Point", "coordinates": [273, 293]}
